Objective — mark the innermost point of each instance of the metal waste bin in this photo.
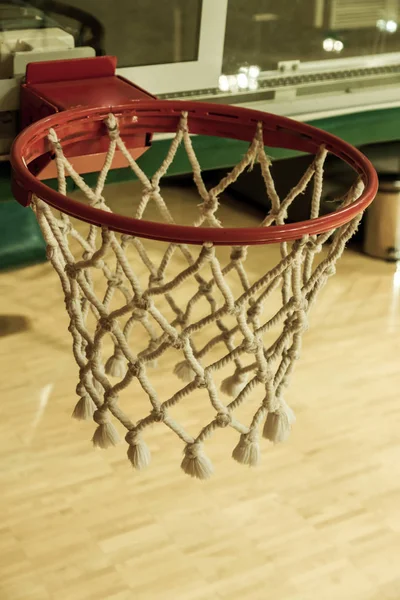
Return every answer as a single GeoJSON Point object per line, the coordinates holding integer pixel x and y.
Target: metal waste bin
{"type": "Point", "coordinates": [382, 228]}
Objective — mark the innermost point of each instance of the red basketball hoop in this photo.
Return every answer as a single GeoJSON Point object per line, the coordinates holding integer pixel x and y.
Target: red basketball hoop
{"type": "Point", "coordinates": [83, 129]}
{"type": "Point", "coordinates": [223, 315]}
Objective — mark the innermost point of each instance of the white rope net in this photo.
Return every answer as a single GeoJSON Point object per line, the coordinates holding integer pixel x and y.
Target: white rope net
{"type": "Point", "coordinates": [226, 342]}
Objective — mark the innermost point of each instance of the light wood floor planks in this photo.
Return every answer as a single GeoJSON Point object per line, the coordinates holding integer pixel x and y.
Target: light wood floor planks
{"type": "Point", "coordinates": [318, 520]}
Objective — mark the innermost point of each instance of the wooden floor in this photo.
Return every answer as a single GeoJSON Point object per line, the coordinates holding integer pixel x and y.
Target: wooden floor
{"type": "Point", "coordinates": [319, 519]}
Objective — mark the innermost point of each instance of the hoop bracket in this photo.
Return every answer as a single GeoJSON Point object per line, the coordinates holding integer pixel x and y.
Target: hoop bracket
{"type": "Point", "coordinates": [54, 86]}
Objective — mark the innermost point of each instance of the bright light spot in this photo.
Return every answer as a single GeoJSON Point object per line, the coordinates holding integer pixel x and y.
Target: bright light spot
{"type": "Point", "coordinates": [254, 71]}
{"type": "Point", "coordinates": [381, 25]}
{"type": "Point", "coordinates": [228, 83]}
{"type": "Point", "coordinates": [331, 45]}
{"type": "Point", "coordinates": [253, 85]}
{"type": "Point", "coordinates": [338, 46]}
{"type": "Point", "coordinates": [233, 84]}
{"type": "Point", "coordinates": [242, 81]}
{"type": "Point", "coordinates": [245, 79]}
{"type": "Point", "coordinates": [223, 83]}
{"type": "Point", "coordinates": [391, 26]}
{"type": "Point", "coordinates": [327, 44]}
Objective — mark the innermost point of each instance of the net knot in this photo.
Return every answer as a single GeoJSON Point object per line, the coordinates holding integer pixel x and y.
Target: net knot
{"type": "Point", "coordinates": [300, 305]}
{"type": "Point", "coordinates": [112, 126]}
{"type": "Point", "coordinates": [194, 450]}
{"type": "Point", "coordinates": [234, 310]}
{"type": "Point", "coordinates": [139, 315]}
{"type": "Point", "coordinates": [72, 270]}
{"type": "Point", "coordinates": [155, 188]}
{"type": "Point", "coordinates": [101, 204]}
{"type": "Point", "coordinates": [204, 288]}
{"type": "Point", "coordinates": [125, 238]}
{"type": "Point", "coordinates": [115, 281]}
{"type": "Point", "coordinates": [132, 436]}
{"type": "Point", "coordinates": [299, 321]}
{"type": "Point", "coordinates": [208, 251]}
{"type": "Point", "coordinates": [100, 416]}
{"type": "Point", "coordinates": [65, 227]}
{"type": "Point", "coordinates": [210, 204]}
{"type": "Point", "coordinates": [80, 389]}
{"type": "Point", "coordinates": [87, 255]}
{"type": "Point", "coordinates": [158, 414]}
{"type": "Point", "coordinates": [152, 189]}
{"type": "Point", "coordinates": [291, 354]}
{"type": "Point", "coordinates": [249, 438]}
{"type": "Point", "coordinates": [300, 244]}
{"type": "Point", "coordinates": [238, 254]}
{"type": "Point", "coordinates": [136, 368]}
{"type": "Point", "coordinates": [290, 321]}
{"type": "Point", "coordinates": [274, 214]}
{"type": "Point", "coordinates": [53, 139]}
{"type": "Point", "coordinates": [251, 347]}
{"type": "Point", "coordinates": [155, 280]}
{"type": "Point", "coordinates": [176, 342]}
{"type": "Point", "coordinates": [200, 381]}
{"type": "Point", "coordinates": [183, 125]}
{"type": "Point", "coordinates": [143, 303]}
{"type": "Point", "coordinates": [313, 245]}
{"type": "Point", "coordinates": [223, 419]}
{"type": "Point", "coordinates": [107, 323]}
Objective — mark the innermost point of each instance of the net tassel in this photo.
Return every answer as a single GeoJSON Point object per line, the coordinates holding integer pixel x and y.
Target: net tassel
{"type": "Point", "coordinates": [138, 451]}
{"type": "Point", "coordinates": [105, 435]}
{"type": "Point", "coordinates": [195, 463]}
{"type": "Point", "coordinates": [278, 424]}
{"type": "Point", "coordinates": [289, 411]}
{"type": "Point", "coordinates": [233, 385]}
{"type": "Point", "coordinates": [184, 371]}
{"type": "Point", "coordinates": [116, 364]}
{"type": "Point", "coordinates": [247, 452]}
{"type": "Point", "coordinates": [84, 408]}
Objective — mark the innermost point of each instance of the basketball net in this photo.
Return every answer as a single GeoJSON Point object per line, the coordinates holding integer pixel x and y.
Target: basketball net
{"type": "Point", "coordinates": [109, 302]}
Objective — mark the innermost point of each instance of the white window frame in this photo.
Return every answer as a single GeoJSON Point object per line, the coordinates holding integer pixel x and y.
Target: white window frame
{"type": "Point", "coordinates": [199, 74]}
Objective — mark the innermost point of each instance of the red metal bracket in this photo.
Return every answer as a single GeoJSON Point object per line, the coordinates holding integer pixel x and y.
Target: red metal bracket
{"type": "Point", "coordinates": [59, 85]}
